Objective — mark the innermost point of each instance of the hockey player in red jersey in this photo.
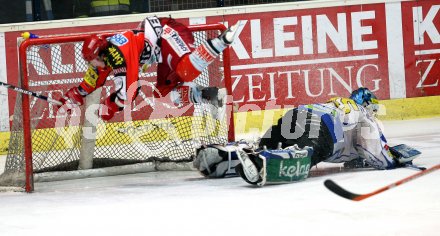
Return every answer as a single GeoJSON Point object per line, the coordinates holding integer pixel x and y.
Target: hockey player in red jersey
{"type": "Point", "coordinates": [157, 40]}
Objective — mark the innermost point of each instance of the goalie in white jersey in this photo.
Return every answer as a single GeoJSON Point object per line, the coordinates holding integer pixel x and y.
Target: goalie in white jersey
{"type": "Point", "coordinates": [339, 131]}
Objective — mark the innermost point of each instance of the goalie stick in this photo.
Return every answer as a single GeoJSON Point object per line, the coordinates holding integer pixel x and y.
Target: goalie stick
{"type": "Point", "coordinates": [34, 94]}
{"type": "Point", "coordinates": [338, 190]}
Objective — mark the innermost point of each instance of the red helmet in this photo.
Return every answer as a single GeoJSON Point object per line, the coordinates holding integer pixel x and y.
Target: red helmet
{"type": "Point", "coordinates": [92, 46]}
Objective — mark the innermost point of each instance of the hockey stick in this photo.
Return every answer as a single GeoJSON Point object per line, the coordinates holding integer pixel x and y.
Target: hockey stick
{"type": "Point", "coordinates": [34, 94]}
{"type": "Point", "coordinates": [338, 190]}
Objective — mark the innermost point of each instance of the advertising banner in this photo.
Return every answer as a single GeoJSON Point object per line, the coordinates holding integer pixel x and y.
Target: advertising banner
{"type": "Point", "coordinates": [421, 41]}
{"type": "Point", "coordinates": [308, 56]}
{"type": "Point", "coordinates": [304, 54]}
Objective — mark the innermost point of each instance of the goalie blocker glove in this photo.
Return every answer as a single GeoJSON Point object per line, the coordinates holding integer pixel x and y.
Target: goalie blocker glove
{"type": "Point", "coordinates": [275, 166]}
{"type": "Point", "coordinates": [403, 155]}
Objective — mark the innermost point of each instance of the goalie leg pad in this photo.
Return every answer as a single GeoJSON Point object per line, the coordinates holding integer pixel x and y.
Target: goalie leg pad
{"type": "Point", "coordinates": [276, 166]}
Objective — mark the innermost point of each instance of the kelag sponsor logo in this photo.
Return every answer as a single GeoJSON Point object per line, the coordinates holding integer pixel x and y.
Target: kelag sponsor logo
{"type": "Point", "coordinates": [293, 170]}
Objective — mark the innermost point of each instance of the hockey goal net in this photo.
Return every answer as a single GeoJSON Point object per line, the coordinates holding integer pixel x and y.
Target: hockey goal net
{"type": "Point", "coordinates": [46, 144]}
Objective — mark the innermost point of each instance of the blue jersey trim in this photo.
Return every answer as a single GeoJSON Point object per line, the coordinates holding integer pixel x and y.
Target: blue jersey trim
{"type": "Point", "coordinates": [328, 121]}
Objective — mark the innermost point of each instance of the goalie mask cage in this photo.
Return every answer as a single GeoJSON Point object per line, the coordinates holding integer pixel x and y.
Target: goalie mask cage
{"type": "Point", "coordinates": [47, 145]}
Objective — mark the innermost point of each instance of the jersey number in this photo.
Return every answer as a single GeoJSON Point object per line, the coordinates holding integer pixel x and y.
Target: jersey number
{"type": "Point", "coordinates": [345, 104]}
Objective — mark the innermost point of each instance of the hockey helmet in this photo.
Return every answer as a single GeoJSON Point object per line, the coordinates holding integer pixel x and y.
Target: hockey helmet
{"type": "Point", "coordinates": [92, 47]}
{"type": "Point", "coordinates": [364, 97]}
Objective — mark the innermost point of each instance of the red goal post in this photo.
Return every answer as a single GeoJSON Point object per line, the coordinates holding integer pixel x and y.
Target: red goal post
{"type": "Point", "coordinates": [47, 143]}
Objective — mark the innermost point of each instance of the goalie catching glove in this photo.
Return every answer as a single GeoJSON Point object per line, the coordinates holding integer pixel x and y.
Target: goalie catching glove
{"type": "Point", "coordinates": [275, 166]}
{"type": "Point", "coordinates": [218, 161]}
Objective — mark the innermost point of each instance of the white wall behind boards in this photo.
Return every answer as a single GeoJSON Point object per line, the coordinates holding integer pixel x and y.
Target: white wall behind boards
{"type": "Point", "coordinates": [4, 111]}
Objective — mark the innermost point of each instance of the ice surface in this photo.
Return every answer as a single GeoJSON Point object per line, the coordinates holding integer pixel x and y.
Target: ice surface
{"type": "Point", "coordinates": [183, 203]}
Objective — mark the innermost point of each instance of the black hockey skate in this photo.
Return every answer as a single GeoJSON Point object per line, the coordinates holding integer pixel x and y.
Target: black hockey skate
{"type": "Point", "coordinates": [214, 96]}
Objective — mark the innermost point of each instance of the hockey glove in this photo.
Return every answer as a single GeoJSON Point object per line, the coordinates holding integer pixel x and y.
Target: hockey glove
{"type": "Point", "coordinates": [71, 100]}
{"type": "Point", "coordinates": [110, 107]}
{"type": "Point", "coordinates": [403, 155]}
{"type": "Point", "coordinates": [218, 161]}
{"type": "Point", "coordinates": [73, 97]}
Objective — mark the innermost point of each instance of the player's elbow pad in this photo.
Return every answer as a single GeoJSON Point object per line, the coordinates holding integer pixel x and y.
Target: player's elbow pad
{"type": "Point", "coordinates": [94, 78]}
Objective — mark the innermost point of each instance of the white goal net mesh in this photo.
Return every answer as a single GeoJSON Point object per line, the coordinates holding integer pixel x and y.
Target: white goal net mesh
{"type": "Point", "coordinates": [59, 141]}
